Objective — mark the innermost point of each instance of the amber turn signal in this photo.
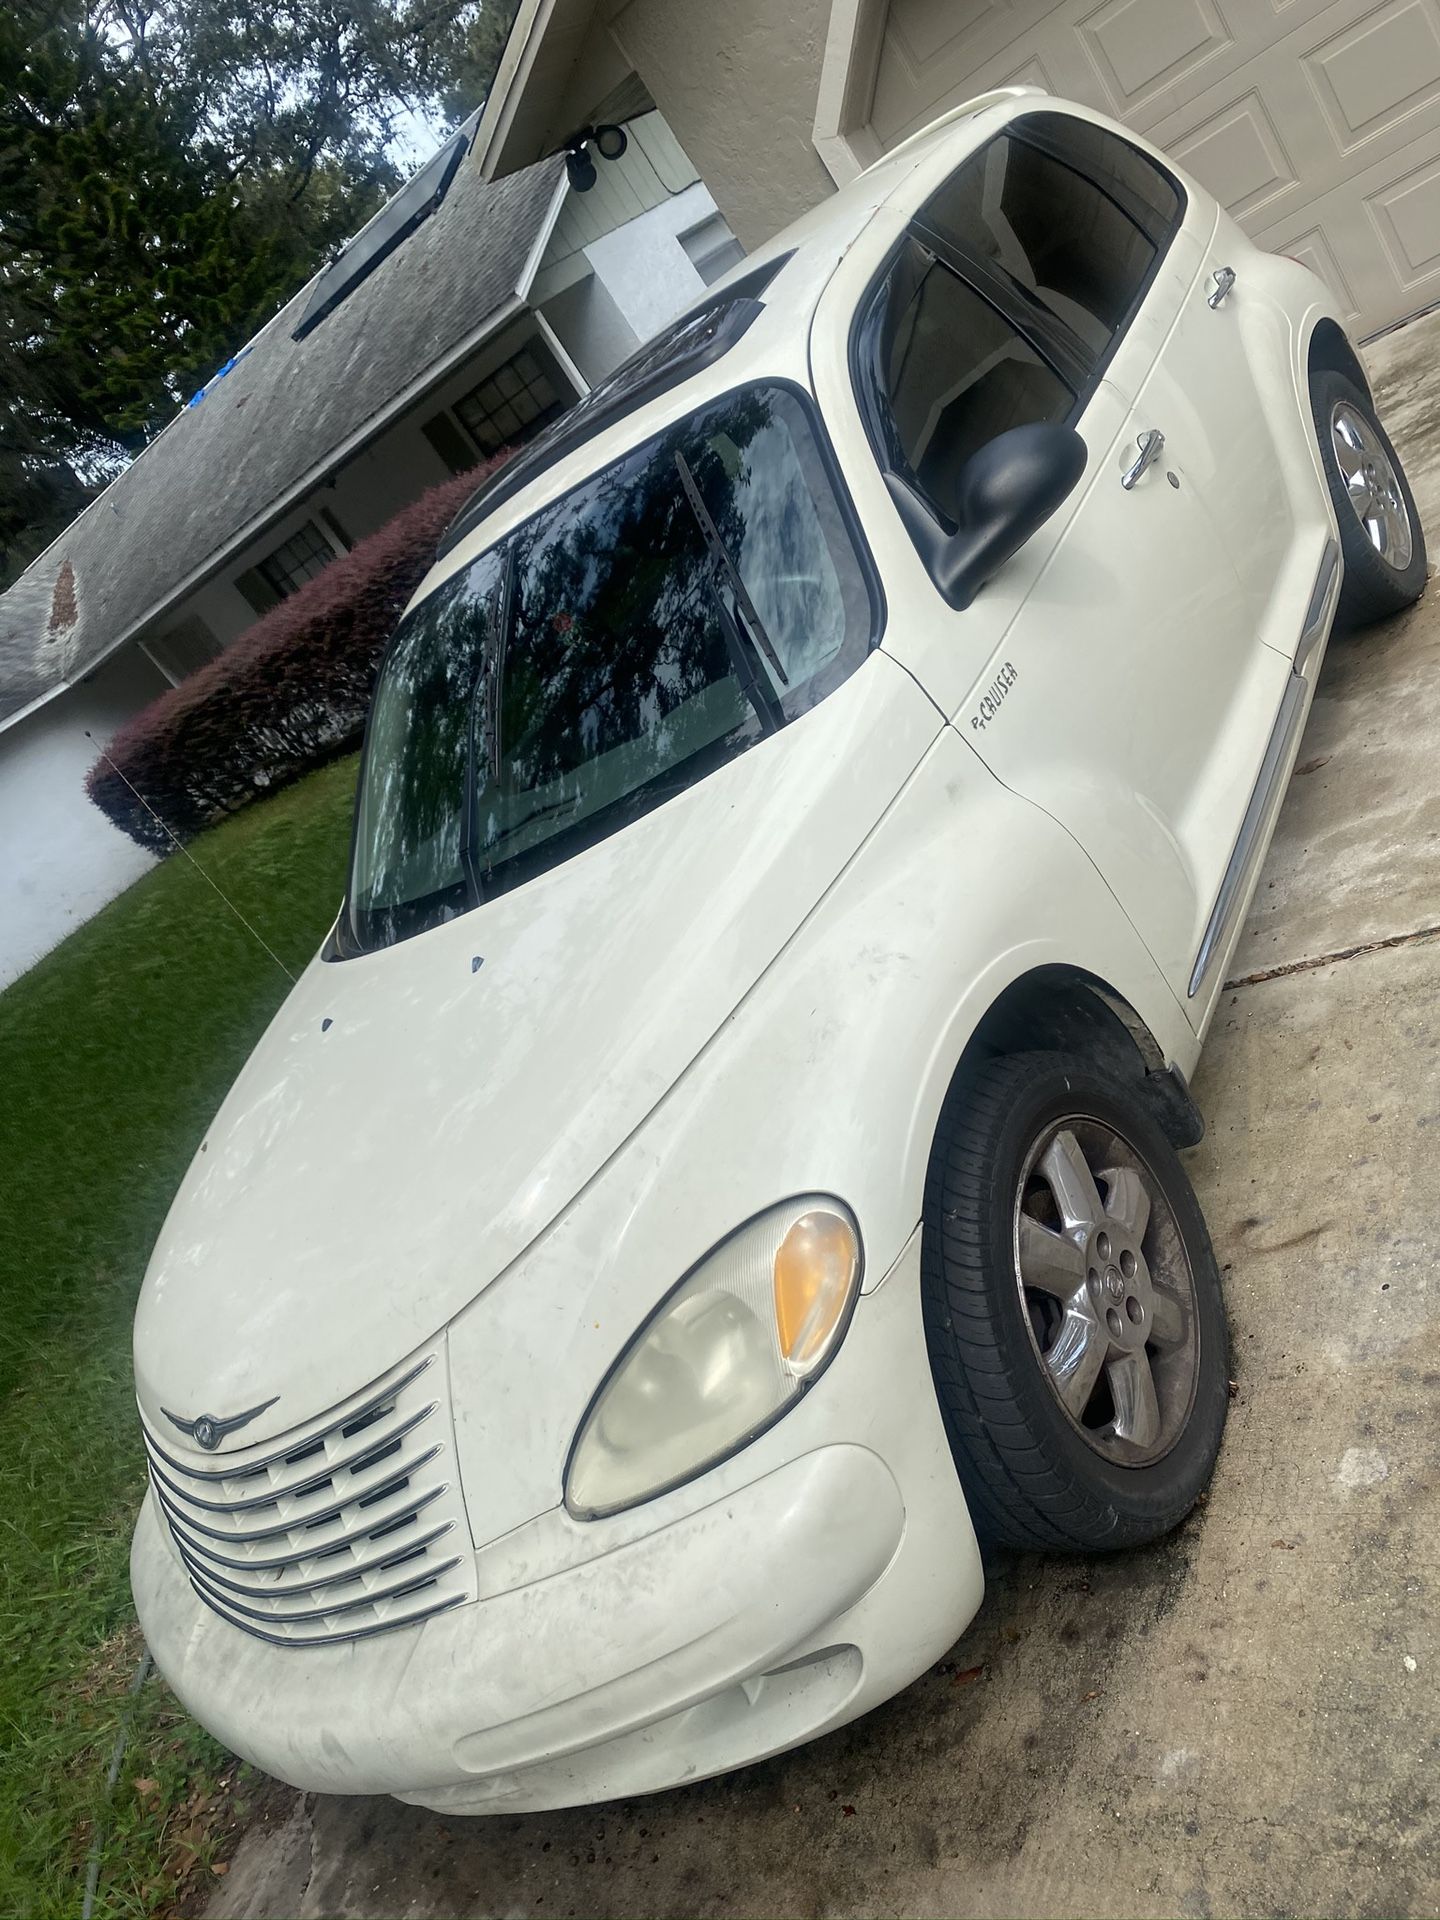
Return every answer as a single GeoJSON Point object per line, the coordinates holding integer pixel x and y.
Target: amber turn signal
{"type": "Point", "coordinates": [816, 1267]}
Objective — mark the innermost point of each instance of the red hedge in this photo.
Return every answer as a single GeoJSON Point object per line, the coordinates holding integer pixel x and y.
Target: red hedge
{"type": "Point", "coordinates": [292, 692]}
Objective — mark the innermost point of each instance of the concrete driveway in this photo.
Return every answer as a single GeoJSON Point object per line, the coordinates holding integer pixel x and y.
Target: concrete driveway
{"type": "Point", "coordinates": [1245, 1719]}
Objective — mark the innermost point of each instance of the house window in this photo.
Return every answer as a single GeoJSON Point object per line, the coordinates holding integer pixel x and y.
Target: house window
{"type": "Point", "coordinates": [303, 555]}
{"type": "Point", "coordinates": [514, 402]}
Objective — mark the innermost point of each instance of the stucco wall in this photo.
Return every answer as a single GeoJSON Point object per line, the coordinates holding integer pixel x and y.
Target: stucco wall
{"type": "Point", "coordinates": [645, 269]}
{"type": "Point", "coordinates": [738, 83]}
{"type": "Point", "coordinates": [60, 858]}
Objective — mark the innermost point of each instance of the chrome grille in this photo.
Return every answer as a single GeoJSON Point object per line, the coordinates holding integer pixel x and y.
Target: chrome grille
{"type": "Point", "coordinates": [349, 1526]}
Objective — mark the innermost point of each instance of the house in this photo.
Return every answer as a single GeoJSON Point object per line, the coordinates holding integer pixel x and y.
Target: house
{"type": "Point", "coordinates": [1317, 122]}
{"type": "Point", "coordinates": [464, 317]}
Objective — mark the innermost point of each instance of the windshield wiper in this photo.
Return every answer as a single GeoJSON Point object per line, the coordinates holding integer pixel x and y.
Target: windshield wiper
{"type": "Point", "coordinates": [484, 729]}
{"type": "Point", "coordinates": [745, 635]}
{"type": "Point", "coordinates": [505, 616]}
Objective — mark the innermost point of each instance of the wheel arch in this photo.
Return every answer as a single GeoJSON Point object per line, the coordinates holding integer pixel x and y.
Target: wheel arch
{"type": "Point", "coordinates": [1059, 1008]}
{"type": "Point", "coordinates": [1329, 350]}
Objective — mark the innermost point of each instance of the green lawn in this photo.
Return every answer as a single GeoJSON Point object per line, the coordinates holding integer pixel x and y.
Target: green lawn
{"type": "Point", "coordinates": [114, 1053]}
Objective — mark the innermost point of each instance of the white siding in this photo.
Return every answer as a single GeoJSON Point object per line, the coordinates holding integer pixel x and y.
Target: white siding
{"type": "Point", "coordinates": [60, 858]}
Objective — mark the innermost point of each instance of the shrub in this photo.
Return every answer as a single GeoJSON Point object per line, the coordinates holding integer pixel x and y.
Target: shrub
{"type": "Point", "coordinates": [292, 692]}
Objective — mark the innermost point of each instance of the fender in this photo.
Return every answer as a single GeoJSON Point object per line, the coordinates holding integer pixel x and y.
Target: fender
{"type": "Point", "coordinates": [861, 1024]}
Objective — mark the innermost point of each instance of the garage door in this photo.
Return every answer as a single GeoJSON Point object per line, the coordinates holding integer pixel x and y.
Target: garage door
{"type": "Point", "coordinates": [1318, 125]}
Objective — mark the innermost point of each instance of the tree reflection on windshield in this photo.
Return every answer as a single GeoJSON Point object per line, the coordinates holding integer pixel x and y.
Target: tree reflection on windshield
{"type": "Point", "coordinates": [494, 753]}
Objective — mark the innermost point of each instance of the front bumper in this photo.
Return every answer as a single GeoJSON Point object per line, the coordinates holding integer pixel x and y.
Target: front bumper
{"type": "Point", "coordinates": [791, 1603]}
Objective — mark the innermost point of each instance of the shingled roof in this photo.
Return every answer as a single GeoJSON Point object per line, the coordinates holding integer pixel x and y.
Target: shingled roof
{"type": "Point", "coordinates": [221, 470]}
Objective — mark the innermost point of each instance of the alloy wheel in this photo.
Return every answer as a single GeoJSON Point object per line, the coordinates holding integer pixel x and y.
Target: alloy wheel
{"type": "Point", "coordinates": [1371, 485]}
{"type": "Point", "coordinates": [1107, 1291]}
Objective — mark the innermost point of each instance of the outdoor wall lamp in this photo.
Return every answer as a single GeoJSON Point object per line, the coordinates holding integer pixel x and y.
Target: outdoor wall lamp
{"type": "Point", "coordinates": [610, 143]}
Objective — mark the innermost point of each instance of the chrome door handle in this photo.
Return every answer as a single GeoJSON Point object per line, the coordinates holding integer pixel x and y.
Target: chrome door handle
{"type": "Point", "coordinates": [1224, 278]}
{"type": "Point", "coordinates": [1151, 445]}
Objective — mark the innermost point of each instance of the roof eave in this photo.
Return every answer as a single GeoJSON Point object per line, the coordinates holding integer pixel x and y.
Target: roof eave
{"type": "Point", "coordinates": [507, 138]}
{"type": "Point", "coordinates": [40, 700]}
{"type": "Point", "coordinates": [527, 31]}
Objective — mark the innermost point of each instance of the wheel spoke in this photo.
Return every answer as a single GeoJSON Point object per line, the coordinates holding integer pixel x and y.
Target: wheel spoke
{"type": "Point", "coordinates": [1349, 447]}
{"type": "Point", "coordinates": [1168, 1318]}
{"type": "Point", "coordinates": [1048, 1261]}
{"type": "Point", "coordinates": [1137, 1409]}
{"type": "Point", "coordinates": [1075, 1358]}
{"type": "Point", "coordinates": [1397, 534]}
{"type": "Point", "coordinates": [1070, 1180]}
{"type": "Point", "coordinates": [1128, 1201]}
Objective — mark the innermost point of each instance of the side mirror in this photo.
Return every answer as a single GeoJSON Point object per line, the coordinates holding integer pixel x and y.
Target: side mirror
{"type": "Point", "coordinates": [1005, 492]}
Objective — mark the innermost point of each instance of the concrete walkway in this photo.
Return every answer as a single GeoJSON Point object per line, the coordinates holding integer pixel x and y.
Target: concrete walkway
{"type": "Point", "coordinates": [1246, 1719]}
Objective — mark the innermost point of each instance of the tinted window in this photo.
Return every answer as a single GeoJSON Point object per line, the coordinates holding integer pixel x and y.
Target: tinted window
{"type": "Point", "coordinates": [601, 658]}
{"type": "Point", "coordinates": [1050, 232]}
{"type": "Point", "coordinates": [953, 375]}
{"type": "Point", "coordinates": [408, 866]}
{"type": "Point", "coordinates": [1141, 188]}
{"type": "Point", "coordinates": [616, 668]}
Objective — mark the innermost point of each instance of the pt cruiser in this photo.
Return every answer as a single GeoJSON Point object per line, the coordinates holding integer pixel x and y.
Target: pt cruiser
{"type": "Point", "coordinates": [724, 1158]}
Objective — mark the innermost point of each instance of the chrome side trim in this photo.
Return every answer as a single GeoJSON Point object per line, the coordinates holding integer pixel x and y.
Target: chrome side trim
{"type": "Point", "coordinates": [1321, 610]}
{"type": "Point", "coordinates": [1319, 613]}
{"type": "Point", "coordinates": [1231, 893]}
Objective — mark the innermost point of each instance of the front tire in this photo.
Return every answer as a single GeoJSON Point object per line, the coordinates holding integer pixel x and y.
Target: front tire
{"type": "Point", "coordinates": [1380, 533]}
{"type": "Point", "coordinates": [1072, 1306]}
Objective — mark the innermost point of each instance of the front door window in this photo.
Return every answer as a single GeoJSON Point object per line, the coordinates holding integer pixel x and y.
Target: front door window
{"type": "Point", "coordinates": [952, 373]}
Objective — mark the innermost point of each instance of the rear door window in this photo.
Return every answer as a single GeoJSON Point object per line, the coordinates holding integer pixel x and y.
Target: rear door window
{"type": "Point", "coordinates": [1008, 295]}
{"type": "Point", "coordinates": [1143, 189]}
{"type": "Point", "coordinates": [1064, 222]}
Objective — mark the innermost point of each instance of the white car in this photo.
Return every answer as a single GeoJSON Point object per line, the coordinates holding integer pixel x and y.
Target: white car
{"type": "Point", "coordinates": [724, 1158]}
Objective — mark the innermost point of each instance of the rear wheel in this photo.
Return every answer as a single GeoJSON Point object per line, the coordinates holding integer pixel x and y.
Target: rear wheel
{"type": "Point", "coordinates": [1380, 533]}
{"type": "Point", "coordinates": [1073, 1308]}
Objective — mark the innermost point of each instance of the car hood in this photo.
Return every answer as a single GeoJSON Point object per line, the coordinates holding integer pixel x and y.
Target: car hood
{"type": "Point", "coordinates": [413, 1119]}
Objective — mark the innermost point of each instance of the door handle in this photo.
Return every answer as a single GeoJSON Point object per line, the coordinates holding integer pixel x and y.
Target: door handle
{"type": "Point", "coordinates": [1151, 445]}
{"type": "Point", "coordinates": [1224, 278]}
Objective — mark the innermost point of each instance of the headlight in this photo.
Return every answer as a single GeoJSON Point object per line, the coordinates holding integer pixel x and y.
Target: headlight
{"type": "Point", "coordinates": [733, 1346]}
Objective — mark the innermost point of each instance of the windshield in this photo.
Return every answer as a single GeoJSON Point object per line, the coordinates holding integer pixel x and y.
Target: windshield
{"type": "Point", "coordinates": [665, 615]}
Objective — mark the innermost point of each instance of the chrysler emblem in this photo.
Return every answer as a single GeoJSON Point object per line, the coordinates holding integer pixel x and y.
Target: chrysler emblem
{"type": "Point", "coordinates": [207, 1430]}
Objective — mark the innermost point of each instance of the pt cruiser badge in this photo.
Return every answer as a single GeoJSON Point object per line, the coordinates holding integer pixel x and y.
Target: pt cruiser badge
{"type": "Point", "coordinates": [990, 700]}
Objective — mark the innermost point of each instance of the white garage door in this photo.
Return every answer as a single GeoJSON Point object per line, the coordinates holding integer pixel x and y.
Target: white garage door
{"type": "Point", "coordinates": [1317, 124]}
